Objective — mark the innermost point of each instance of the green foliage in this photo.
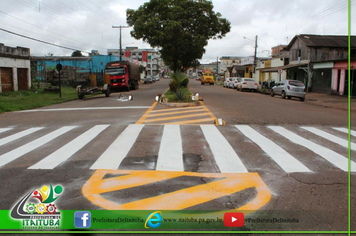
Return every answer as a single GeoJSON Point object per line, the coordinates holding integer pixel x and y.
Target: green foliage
{"type": "Point", "coordinates": [77, 53]}
{"type": "Point", "coordinates": [179, 80]}
{"type": "Point", "coordinates": [142, 68]}
{"type": "Point", "coordinates": [183, 95]}
{"type": "Point", "coordinates": [180, 95]}
{"type": "Point", "coordinates": [28, 99]}
{"type": "Point", "coordinates": [181, 28]}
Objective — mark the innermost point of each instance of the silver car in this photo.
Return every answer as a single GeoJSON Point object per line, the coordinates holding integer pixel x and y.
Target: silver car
{"type": "Point", "coordinates": [289, 89]}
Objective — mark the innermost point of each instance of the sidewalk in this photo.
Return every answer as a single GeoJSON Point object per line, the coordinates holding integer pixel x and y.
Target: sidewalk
{"type": "Point", "coordinates": [327, 100]}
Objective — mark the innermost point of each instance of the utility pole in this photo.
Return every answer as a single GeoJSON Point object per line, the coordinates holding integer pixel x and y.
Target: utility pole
{"type": "Point", "coordinates": [217, 68]}
{"type": "Point", "coordinates": [120, 26]}
{"type": "Point", "coordinates": [255, 56]}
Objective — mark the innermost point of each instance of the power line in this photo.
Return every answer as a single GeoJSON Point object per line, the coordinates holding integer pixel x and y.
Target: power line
{"type": "Point", "coordinates": [103, 10]}
{"type": "Point", "coordinates": [328, 11]}
{"type": "Point", "coordinates": [58, 17]}
{"type": "Point", "coordinates": [41, 41]}
{"type": "Point", "coordinates": [45, 29]}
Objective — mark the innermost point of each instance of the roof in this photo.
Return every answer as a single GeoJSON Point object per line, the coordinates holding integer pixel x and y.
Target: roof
{"type": "Point", "coordinates": [275, 69]}
{"type": "Point", "coordinates": [333, 41]}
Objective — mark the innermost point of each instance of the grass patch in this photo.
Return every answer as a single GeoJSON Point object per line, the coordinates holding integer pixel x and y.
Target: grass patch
{"type": "Point", "coordinates": [24, 100]}
{"type": "Point", "coordinates": [172, 96]}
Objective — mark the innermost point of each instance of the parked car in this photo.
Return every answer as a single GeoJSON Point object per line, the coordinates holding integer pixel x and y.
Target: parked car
{"type": "Point", "coordinates": [247, 84]}
{"type": "Point", "coordinates": [148, 80]}
{"type": "Point", "coordinates": [289, 89]}
{"type": "Point", "coordinates": [233, 83]}
{"type": "Point", "coordinates": [226, 82]}
{"type": "Point", "coordinates": [156, 78]}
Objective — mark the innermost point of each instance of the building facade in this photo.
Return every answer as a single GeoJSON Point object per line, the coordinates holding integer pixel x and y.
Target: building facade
{"type": "Point", "coordinates": [15, 70]}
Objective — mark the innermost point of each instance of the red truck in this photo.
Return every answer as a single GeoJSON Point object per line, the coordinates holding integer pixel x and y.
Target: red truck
{"type": "Point", "coordinates": [123, 74]}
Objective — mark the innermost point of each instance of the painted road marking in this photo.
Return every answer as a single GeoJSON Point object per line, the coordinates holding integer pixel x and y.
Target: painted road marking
{"type": "Point", "coordinates": [174, 117]}
{"type": "Point", "coordinates": [115, 154]}
{"type": "Point", "coordinates": [4, 129]}
{"type": "Point", "coordinates": [225, 156]}
{"type": "Point", "coordinates": [344, 130]}
{"type": "Point", "coordinates": [225, 185]}
{"type": "Point", "coordinates": [330, 137]}
{"type": "Point", "coordinates": [198, 115]}
{"type": "Point", "coordinates": [68, 150]}
{"type": "Point", "coordinates": [178, 109]}
{"type": "Point", "coordinates": [168, 113]}
{"type": "Point", "coordinates": [187, 122]}
{"type": "Point", "coordinates": [87, 108]}
{"type": "Point", "coordinates": [334, 158]}
{"type": "Point", "coordinates": [170, 155]}
{"type": "Point", "coordinates": [18, 152]}
{"type": "Point", "coordinates": [286, 161]}
{"type": "Point", "coordinates": [146, 113]}
{"type": "Point", "coordinates": [19, 135]}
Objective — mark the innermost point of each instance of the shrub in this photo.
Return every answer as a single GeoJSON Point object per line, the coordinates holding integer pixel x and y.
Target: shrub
{"type": "Point", "coordinates": [178, 80]}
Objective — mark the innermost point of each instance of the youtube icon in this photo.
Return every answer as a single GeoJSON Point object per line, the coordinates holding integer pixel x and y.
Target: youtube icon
{"type": "Point", "coordinates": [234, 219]}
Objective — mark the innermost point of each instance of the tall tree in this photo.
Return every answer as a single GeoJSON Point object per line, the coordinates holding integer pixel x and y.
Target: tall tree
{"type": "Point", "coordinates": [181, 28]}
{"type": "Point", "coordinates": [77, 53]}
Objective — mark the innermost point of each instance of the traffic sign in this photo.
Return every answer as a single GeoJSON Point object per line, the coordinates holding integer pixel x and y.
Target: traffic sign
{"type": "Point", "coordinates": [280, 71]}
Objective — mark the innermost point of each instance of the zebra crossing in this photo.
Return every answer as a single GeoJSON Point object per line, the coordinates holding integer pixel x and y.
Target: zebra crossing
{"type": "Point", "coordinates": [233, 149]}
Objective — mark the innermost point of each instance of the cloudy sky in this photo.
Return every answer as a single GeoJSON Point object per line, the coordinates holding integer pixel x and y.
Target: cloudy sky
{"type": "Point", "coordinates": [87, 24]}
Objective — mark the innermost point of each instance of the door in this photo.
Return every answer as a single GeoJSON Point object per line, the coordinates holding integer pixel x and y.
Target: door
{"type": "Point", "coordinates": [6, 79]}
{"type": "Point", "coordinates": [22, 78]}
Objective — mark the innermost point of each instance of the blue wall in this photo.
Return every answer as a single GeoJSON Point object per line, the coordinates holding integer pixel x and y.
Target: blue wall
{"type": "Point", "coordinates": [95, 64]}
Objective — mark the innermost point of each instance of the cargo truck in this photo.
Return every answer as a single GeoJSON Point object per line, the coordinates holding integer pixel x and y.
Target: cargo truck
{"type": "Point", "coordinates": [123, 75]}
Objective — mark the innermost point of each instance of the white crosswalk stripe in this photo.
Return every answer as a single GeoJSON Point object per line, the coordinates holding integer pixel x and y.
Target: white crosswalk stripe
{"type": "Point", "coordinates": [344, 130]}
{"type": "Point", "coordinates": [286, 161]}
{"type": "Point", "coordinates": [218, 148]}
{"type": "Point", "coordinates": [18, 152]}
{"type": "Point", "coordinates": [330, 137]}
{"type": "Point", "coordinates": [65, 152]}
{"type": "Point", "coordinates": [4, 130]}
{"type": "Point", "coordinates": [331, 156]}
{"type": "Point", "coordinates": [170, 156]}
{"type": "Point", "coordinates": [115, 154]}
{"type": "Point", "coordinates": [19, 135]}
{"type": "Point", "coordinates": [225, 156]}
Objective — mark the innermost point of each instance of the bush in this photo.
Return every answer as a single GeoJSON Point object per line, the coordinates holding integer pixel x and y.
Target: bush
{"type": "Point", "coordinates": [185, 83]}
{"type": "Point", "coordinates": [178, 80]}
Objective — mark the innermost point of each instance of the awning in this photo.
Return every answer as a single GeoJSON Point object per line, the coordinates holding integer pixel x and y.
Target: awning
{"type": "Point", "coordinates": [275, 69]}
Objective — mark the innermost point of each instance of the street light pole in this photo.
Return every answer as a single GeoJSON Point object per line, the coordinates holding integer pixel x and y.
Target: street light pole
{"type": "Point", "coordinates": [120, 26]}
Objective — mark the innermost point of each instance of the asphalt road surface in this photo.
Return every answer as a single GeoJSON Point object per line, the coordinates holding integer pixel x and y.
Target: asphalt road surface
{"type": "Point", "coordinates": [274, 157]}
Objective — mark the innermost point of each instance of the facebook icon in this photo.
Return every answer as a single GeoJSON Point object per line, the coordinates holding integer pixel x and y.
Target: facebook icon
{"type": "Point", "coordinates": [82, 219]}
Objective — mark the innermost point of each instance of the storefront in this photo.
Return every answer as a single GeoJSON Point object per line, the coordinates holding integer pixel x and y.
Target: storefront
{"type": "Point", "coordinates": [340, 78]}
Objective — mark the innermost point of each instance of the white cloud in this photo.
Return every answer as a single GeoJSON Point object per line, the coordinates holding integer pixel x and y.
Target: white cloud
{"type": "Point", "coordinates": [87, 24]}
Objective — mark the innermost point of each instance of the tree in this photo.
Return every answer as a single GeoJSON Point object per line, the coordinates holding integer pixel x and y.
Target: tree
{"type": "Point", "coordinates": [181, 28]}
{"type": "Point", "coordinates": [77, 53]}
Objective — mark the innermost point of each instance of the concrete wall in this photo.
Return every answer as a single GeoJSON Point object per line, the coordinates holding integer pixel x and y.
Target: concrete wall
{"type": "Point", "coordinates": [15, 58]}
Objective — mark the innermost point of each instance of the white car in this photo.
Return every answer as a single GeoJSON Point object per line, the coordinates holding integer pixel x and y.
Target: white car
{"type": "Point", "coordinates": [247, 84]}
{"type": "Point", "coordinates": [234, 82]}
{"type": "Point", "coordinates": [226, 82]}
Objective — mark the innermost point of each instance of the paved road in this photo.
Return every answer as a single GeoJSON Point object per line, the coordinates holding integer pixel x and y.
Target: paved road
{"type": "Point", "coordinates": [281, 165]}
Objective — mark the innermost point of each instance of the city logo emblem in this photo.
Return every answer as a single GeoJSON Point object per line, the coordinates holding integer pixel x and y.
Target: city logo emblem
{"type": "Point", "coordinates": [154, 220]}
{"type": "Point", "coordinates": [37, 209]}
